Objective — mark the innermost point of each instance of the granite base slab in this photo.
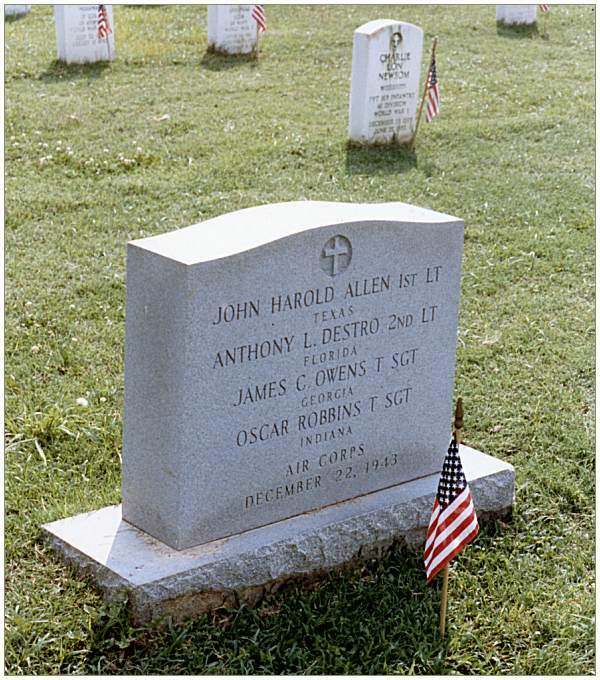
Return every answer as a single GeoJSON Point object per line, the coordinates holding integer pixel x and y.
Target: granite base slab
{"type": "Point", "coordinates": [161, 582]}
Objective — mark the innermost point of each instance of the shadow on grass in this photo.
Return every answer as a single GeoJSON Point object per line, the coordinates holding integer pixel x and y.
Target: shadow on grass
{"type": "Point", "coordinates": [372, 618]}
{"type": "Point", "coordinates": [216, 61]}
{"type": "Point", "coordinates": [11, 18]}
{"type": "Point", "coordinates": [383, 160]}
{"type": "Point", "coordinates": [58, 71]}
{"type": "Point", "coordinates": [516, 31]}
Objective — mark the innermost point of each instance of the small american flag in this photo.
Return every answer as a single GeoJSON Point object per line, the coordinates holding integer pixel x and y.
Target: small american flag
{"type": "Point", "coordinates": [433, 100]}
{"type": "Point", "coordinates": [453, 521]}
{"type": "Point", "coordinates": [258, 14]}
{"type": "Point", "coordinates": [544, 8]}
{"type": "Point", "coordinates": [104, 29]}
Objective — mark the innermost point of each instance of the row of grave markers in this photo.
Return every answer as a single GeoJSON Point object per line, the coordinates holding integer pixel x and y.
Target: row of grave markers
{"type": "Point", "coordinates": [385, 99]}
{"type": "Point", "coordinates": [84, 33]}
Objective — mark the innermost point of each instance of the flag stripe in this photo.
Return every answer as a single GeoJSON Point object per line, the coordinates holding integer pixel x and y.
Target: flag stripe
{"type": "Point", "coordinates": [441, 520]}
{"type": "Point", "coordinates": [432, 524]}
{"type": "Point", "coordinates": [433, 93]}
{"type": "Point", "coordinates": [448, 528]}
{"type": "Point", "coordinates": [446, 537]}
{"type": "Point", "coordinates": [448, 516]}
{"type": "Point", "coordinates": [453, 545]}
{"type": "Point", "coordinates": [258, 14]}
{"type": "Point", "coordinates": [433, 104]}
{"type": "Point", "coordinates": [439, 516]}
{"type": "Point", "coordinates": [440, 565]}
{"type": "Point", "coordinates": [453, 522]}
{"type": "Point", "coordinates": [104, 29]}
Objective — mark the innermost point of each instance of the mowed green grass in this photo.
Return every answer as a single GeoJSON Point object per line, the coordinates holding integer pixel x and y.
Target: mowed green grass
{"type": "Point", "coordinates": [165, 137]}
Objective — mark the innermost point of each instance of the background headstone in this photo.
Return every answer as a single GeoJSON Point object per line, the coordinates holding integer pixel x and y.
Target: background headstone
{"type": "Point", "coordinates": [11, 10]}
{"type": "Point", "coordinates": [516, 14]}
{"type": "Point", "coordinates": [77, 40]}
{"type": "Point", "coordinates": [232, 29]}
{"type": "Point", "coordinates": [283, 358]}
{"type": "Point", "coordinates": [384, 93]}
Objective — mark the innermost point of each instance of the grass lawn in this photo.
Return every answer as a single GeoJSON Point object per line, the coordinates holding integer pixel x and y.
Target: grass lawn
{"type": "Point", "coordinates": [167, 136]}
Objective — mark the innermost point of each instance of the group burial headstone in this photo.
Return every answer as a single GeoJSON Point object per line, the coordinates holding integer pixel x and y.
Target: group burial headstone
{"type": "Point", "coordinates": [79, 38]}
{"type": "Point", "coordinates": [232, 29]}
{"type": "Point", "coordinates": [344, 346]}
{"type": "Point", "coordinates": [279, 362]}
{"type": "Point", "coordinates": [384, 92]}
{"type": "Point", "coordinates": [511, 15]}
{"type": "Point", "coordinates": [15, 10]}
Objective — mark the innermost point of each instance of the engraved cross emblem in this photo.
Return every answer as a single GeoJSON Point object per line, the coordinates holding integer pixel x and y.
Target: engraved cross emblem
{"type": "Point", "coordinates": [335, 252]}
{"type": "Point", "coordinates": [336, 255]}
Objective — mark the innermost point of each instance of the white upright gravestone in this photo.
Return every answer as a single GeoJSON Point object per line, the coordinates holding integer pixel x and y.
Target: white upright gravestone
{"type": "Point", "coordinates": [289, 376]}
{"type": "Point", "coordinates": [84, 33]}
{"type": "Point", "coordinates": [232, 29]}
{"type": "Point", "coordinates": [384, 92]}
{"type": "Point", "coordinates": [516, 14]}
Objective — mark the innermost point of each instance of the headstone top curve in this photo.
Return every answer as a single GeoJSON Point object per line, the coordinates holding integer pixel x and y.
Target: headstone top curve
{"type": "Point", "coordinates": [242, 230]}
{"type": "Point", "coordinates": [373, 27]}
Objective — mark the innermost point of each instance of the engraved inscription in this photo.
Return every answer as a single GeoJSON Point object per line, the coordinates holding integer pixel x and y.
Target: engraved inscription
{"type": "Point", "coordinates": [393, 87]}
{"type": "Point", "coordinates": [325, 397]}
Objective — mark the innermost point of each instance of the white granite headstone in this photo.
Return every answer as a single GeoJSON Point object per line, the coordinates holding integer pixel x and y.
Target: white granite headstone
{"type": "Point", "coordinates": [516, 14]}
{"type": "Point", "coordinates": [12, 10]}
{"type": "Point", "coordinates": [288, 386]}
{"type": "Point", "coordinates": [283, 358]}
{"type": "Point", "coordinates": [232, 29]}
{"type": "Point", "coordinates": [77, 34]}
{"type": "Point", "coordinates": [384, 93]}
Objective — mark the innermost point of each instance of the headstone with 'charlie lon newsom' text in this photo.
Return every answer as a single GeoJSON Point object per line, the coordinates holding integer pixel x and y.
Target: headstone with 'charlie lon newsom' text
{"type": "Point", "coordinates": [384, 92]}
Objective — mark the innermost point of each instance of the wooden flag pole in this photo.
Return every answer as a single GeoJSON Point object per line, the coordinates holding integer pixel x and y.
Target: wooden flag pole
{"type": "Point", "coordinates": [425, 91]}
{"type": "Point", "coordinates": [444, 602]}
{"type": "Point", "coordinates": [107, 27]}
{"type": "Point", "coordinates": [458, 426]}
